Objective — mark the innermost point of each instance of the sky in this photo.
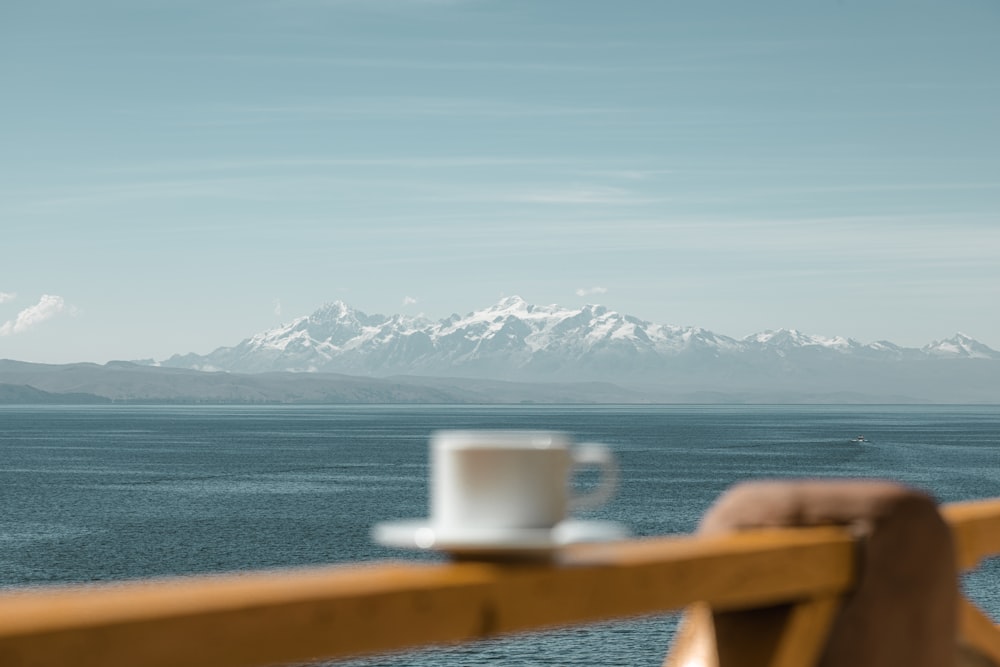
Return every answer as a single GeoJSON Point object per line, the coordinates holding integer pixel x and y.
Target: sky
{"type": "Point", "coordinates": [176, 176]}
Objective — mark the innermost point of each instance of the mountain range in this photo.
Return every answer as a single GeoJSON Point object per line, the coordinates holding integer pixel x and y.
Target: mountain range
{"type": "Point", "coordinates": [514, 352]}
{"type": "Point", "coordinates": [515, 341]}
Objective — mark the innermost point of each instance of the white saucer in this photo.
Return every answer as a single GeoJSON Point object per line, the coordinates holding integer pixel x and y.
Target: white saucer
{"type": "Point", "coordinates": [509, 542]}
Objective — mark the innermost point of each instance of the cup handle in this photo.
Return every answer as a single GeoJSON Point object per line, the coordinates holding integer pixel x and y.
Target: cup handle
{"type": "Point", "coordinates": [592, 454]}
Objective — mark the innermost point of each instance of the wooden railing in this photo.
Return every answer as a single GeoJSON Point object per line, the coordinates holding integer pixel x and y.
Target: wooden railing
{"type": "Point", "coordinates": [324, 613]}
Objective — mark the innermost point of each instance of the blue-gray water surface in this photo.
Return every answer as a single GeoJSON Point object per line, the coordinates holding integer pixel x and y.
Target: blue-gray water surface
{"type": "Point", "coordinates": [122, 492]}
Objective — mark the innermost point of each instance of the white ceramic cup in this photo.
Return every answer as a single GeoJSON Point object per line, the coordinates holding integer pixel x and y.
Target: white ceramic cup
{"type": "Point", "coordinates": [484, 481]}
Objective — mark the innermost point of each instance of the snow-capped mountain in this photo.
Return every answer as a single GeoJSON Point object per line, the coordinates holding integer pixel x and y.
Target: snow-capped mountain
{"type": "Point", "coordinates": [516, 340]}
{"type": "Point", "coordinates": [509, 339]}
{"type": "Point", "coordinates": [960, 346]}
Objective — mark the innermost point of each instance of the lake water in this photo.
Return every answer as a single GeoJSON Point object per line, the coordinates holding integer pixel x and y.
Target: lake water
{"type": "Point", "coordinates": [103, 493]}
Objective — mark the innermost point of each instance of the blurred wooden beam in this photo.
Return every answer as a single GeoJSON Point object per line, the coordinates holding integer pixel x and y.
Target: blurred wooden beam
{"type": "Point", "coordinates": [976, 529]}
{"type": "Point", "coordinates": [265, 618]}
{"type": "Point", "coordinates": [271, 617]}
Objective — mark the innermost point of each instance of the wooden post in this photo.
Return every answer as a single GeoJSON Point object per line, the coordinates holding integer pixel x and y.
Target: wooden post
{"type": "Point", "coordinates": [786, 635]}
{"type": "Point", "coordinates": [790, 635]}
{"type": "Point", "coordinates": [978, 634]}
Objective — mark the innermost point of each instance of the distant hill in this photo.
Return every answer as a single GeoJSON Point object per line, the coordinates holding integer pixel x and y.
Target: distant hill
{"type": "Point", "coordinates": [27, 395]}
{"type": "Point", "coordinates": [125, 382]}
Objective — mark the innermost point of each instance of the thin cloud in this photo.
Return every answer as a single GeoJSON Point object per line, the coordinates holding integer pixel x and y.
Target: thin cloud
{"type": "Point", "coordinates": [295, 163]}
{"type": "Point", "coordinates": [409, 301]}
{"type": "Point", "coordinates": [47, 307]}
{"type": "Point", "coordinates": [580, 196]}
{"type": "Point", "coordinates": [588, 291]}
{"type": "Point", "coordinates": [277, 306]}
{"type": "Point", "coordinates": [574, 196]}
{"type": "Point", "coordinates": [7, 296]}
{"type": "Point", "coordinates": [433, 106]}
{"type": "Point", "coordinates": [455, 65]}
{"type": "Point", "coordinates": [377, 4]}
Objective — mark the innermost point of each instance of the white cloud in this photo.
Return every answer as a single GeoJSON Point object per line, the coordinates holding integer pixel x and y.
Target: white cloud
{"type": "Point", "coordinates": [47, 307]}
{"type": "Point", "coordinates": [408, 301]}
{"type": "Point", "coordinates": [277, 306]}
{"type": "Point", "coordinates": [7, 296]}
{"type": "Point", "coordinates": [587, 291]}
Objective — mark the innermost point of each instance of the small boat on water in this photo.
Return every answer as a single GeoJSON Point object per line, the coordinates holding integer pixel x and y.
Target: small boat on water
{"type": "Point", "coordinates": [860, 438]}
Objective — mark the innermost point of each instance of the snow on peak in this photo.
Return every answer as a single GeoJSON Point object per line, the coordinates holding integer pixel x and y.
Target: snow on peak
{"type": "Point", "coordinates": [510, 303]}
{"type": "Point", "coordinates": [784, 338]}
{"type": "Point", "coordinates": [333, 308]}
{"type": "Point", "coordinates": [780, 337]}
{"type": "Point", "coordinates": [960, 345]}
